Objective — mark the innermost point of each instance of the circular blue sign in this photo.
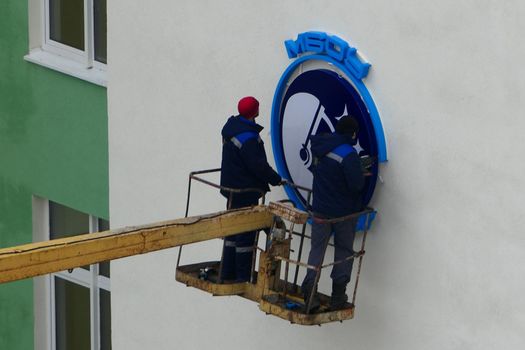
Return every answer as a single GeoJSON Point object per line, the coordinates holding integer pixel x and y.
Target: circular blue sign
{"type": "Point", "coordinates": [311, 102]}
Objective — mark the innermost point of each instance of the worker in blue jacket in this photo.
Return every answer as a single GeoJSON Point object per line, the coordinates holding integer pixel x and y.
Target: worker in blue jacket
{"type": "Point", "coordinates": [337, 191]}
{"type": "Point", "coordinates": [244, 166]}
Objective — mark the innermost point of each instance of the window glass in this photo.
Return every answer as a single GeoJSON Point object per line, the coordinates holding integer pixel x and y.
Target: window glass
{"type": "Point", "coordinates": [74, 299]}
{"type": "Point", "coordinates": [66, 22]}
{"type": "Point", "coordinates": [105, 320]}
{"type": "Point", "coordinates": [100, 19]}
{"type": "Point", "coordinates": [65, 222]}
{"type": "Point", "coordinates": [103, 267]}
{"type": "Point", "coordinates": [103, 225]}
{"type": "Point", "coordinates": [72, 312]}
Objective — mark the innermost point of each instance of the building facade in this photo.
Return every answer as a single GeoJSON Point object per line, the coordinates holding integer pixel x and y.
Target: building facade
{"type": "Point", "coordinates": [443, 266]}
{"type": "Point", "coordinates": [444, 260]}
{"type": "Point", "coordinates": [53, 169]}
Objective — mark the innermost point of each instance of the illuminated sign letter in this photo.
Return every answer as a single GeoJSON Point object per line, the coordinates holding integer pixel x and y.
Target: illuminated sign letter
{"type": "Point", "coordinates": [355, 66]}
{"type": "Point", "coordinates": [337, 47]}
{"type": "Point", "coordinates": [294, 47]}
{"type": "Point", "coordinates": [314, 41]}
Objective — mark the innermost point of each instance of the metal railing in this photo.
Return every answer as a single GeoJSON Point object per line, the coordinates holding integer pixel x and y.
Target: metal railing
{"type": "Point", "coordinates": [317, 219]}
{"type": "Point", "coordinates": [359, 254]}
{"type": "Point", "coordinates": [231, 191]}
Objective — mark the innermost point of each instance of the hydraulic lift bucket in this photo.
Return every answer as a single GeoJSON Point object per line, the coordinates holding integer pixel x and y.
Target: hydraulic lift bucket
{"type": "Point", "coordinates": [275, 295]}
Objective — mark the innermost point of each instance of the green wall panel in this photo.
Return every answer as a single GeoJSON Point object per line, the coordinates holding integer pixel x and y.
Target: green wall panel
{"type": "Point", "coordinates": [53, 143]}
{"type": "Point", "coordinates": [16, 298]}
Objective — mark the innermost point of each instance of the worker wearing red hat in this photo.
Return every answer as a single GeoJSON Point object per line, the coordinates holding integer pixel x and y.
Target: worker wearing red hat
{"type": "Point", "coordinates": [244, 166]}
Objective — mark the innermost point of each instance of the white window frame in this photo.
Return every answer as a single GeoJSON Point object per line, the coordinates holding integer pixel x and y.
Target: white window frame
{"type": "Point", "coordinates": [66, 59]}
{"type": "Point", "coordinates": [88, 279]}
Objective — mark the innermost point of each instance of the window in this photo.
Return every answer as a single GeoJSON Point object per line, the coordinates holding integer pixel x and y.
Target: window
{"type": "Point", "coordinates": [70, 36]}
{"type": "Point", "coordinates": [78, 300]}
{"type": "Point", "coordinates": [76, 28]}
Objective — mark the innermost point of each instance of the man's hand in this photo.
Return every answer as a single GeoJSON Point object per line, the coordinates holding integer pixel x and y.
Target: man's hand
{"type": "Point", "coordinates": [283, 182]}
{"type": "Point", "coordinates": [367, 161]}
{"type": "Point", "coordinates": [366, 164]}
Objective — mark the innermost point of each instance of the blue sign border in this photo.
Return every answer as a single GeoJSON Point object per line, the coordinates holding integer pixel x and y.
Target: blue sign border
{"type": "Point", "coordinates": [276, 108]}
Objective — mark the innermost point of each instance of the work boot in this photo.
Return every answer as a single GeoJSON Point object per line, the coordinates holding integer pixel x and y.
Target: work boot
{"type": "Point", "coordinates": [339, 297]}
{"type": "Point", "coordinates": [316, 302]}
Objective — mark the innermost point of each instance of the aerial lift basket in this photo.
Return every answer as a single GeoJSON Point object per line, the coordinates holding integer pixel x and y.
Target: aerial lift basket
{"type": "Point", "coordinates": [271, 285]}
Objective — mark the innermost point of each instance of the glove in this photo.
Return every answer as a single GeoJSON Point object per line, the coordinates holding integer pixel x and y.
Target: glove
{"type": "Point", "coordinates": [283, 182]}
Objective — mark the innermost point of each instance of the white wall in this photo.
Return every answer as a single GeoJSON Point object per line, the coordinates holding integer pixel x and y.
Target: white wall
{"type": "Point", "coordinates": [444, 266]}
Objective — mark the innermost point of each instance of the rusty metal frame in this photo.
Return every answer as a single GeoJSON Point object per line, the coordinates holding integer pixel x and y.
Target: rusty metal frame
{"type": "Point", "coordinates": [232, 191]}
{"type": "Point", "coordinates": [283, 289]}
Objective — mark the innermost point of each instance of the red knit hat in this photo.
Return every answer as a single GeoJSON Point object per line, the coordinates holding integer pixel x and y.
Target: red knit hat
{"type": "Point", "coordinates": [248, 107]}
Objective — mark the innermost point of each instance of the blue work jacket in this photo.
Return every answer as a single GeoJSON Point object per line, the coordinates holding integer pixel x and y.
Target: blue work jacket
{"type": "Point", "coordinates": [338, 177]}
{"type": "Point", "coordinates": [244, 163]}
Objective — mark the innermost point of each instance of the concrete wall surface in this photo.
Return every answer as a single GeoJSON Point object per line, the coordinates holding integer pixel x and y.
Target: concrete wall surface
{"type": "Point", "coordinates": [444, 266]}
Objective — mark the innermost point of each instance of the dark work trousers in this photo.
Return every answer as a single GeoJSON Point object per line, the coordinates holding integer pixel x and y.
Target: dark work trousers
{"type": "Point", "coordinates": [238, 249]}
{"type": "Point", "coordinates": [344, 234]}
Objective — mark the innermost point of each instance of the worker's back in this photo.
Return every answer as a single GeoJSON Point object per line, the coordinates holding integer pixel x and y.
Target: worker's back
{"type": "Point", "coordinates": [244, 163]}
{"type": "Point", "coordinates": [338, 178]}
